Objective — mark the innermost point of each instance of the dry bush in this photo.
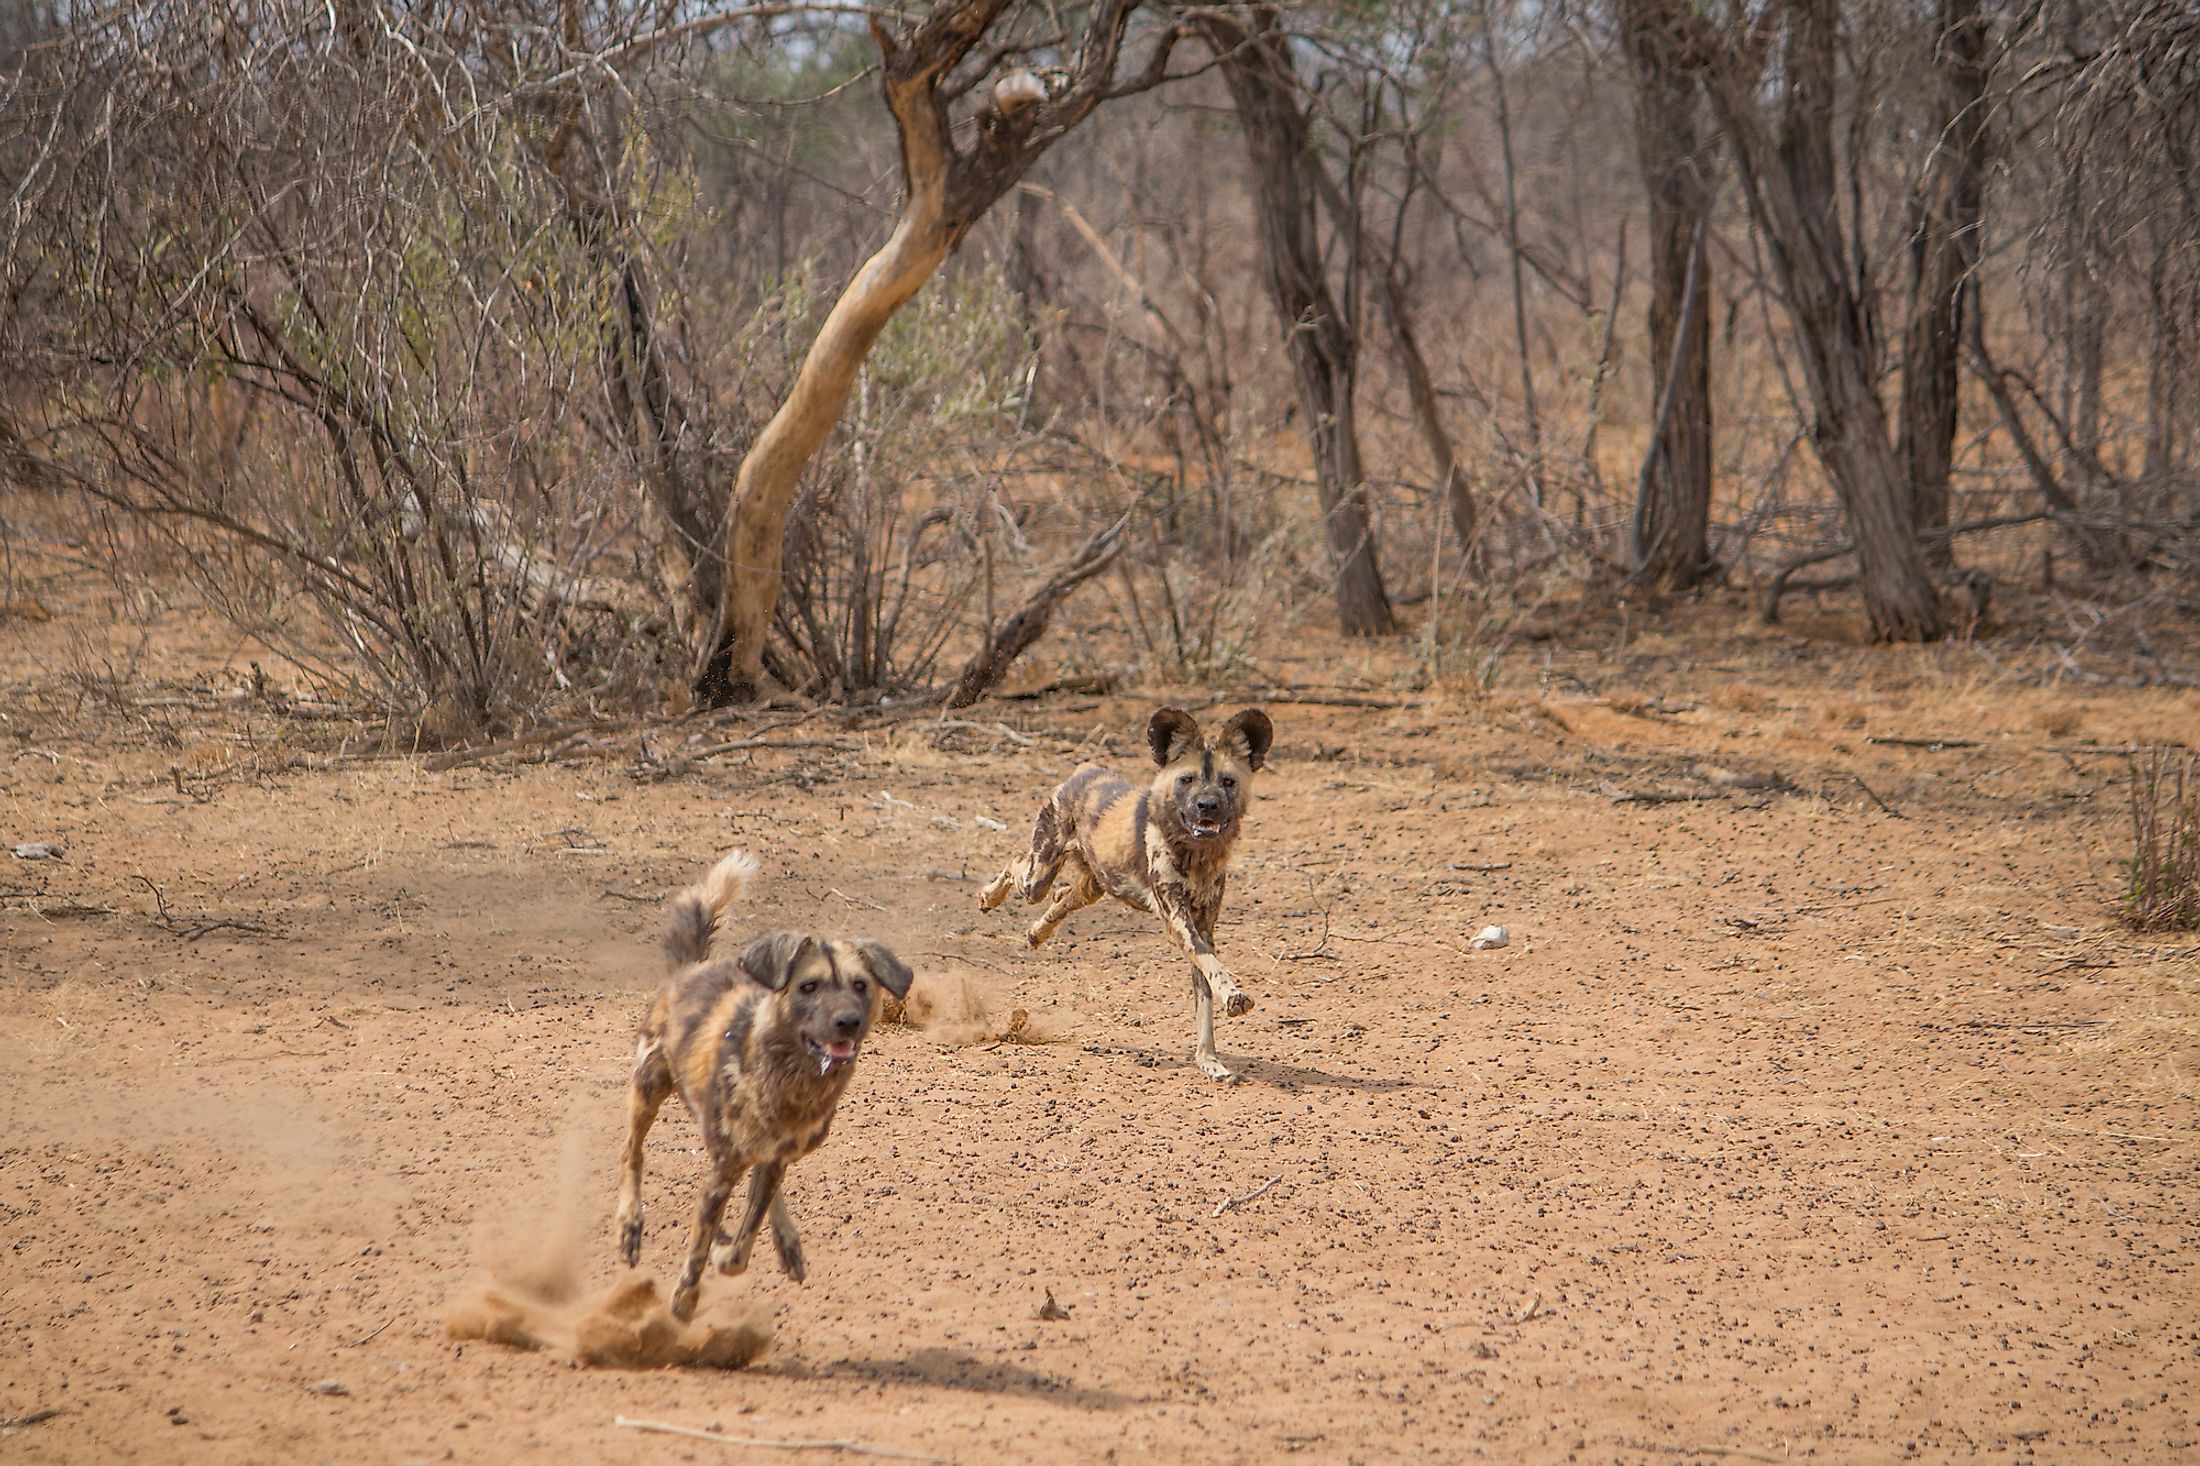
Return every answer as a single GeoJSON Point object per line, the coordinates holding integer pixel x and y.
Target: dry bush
{"type": "Point", "coordinates": [299, 298]}
{"type": "Point", "coordinates": [903, 542]}
{"type": "Point", "coordinates": [2165, 842]}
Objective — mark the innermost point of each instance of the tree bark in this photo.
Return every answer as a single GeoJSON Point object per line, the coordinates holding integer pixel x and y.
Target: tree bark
{"type": "Point", "coordinates": [1673, 504]}
{"type": "Point", "coordinates": [1788, 178]}
{"type": "Point", "coordinates": [1256, 64]}
{"type": "Point", "coordinates": [1944, 252]}
{"type": "Point", "coordinates": [1428, 416]}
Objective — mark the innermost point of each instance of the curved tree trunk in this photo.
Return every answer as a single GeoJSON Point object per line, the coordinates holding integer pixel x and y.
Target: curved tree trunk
{"type": "Point", "coordinates": [945, 191]}
{"type": "Point", "coordinates": [1256, 63]}
{"type": "Point", "coordinates": [1788, 178]}
{"type": "Point", "coordinates": [1944, 250]}
{"type": "Point", "coordinates": [1673, 504]}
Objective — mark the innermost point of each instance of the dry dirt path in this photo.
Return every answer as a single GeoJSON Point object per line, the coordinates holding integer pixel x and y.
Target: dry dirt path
{"type": "Point", "coordinates": [1824, 1114]}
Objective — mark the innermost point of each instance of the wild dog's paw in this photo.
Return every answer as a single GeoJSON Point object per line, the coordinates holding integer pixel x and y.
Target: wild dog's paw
{"type": "Point", "coordinates": [789, 1248]}
{"type": "Point", "coordinates": [1234, 1003]}
{"type": "Point", "coordinates": [630, 1240]}
{"type": "Point", "coordinates": [996, 893]}
{"type": "Point", "coordinates": [1215, 1069]}
{"type": "Point", "coordinates": [727, 1258]}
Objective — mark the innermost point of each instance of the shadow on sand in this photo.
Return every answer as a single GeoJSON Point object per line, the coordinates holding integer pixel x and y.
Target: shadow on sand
{"type": "Point", "coordinates": [951, 1369]}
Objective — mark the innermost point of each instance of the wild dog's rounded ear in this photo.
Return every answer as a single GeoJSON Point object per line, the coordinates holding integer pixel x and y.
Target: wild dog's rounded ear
{"type": "Point", "coordinates": [770, 960]}
{"type": "Point", "coordinates": [1170, 732]}
{"type": "Point", "coordinates": [1252, 732]}
{"type": "Point", "coordinates": [892, 973]}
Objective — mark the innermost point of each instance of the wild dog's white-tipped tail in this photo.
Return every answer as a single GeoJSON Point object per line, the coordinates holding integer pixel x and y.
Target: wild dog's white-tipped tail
{"type": "Point", "coordinates": [695, 911]}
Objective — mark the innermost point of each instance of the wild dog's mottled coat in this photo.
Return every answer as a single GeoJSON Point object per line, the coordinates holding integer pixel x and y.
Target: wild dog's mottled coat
{"type": "Point", "coordinates": [1163, 848]}
{"type": "Point", "coordinates": [759, 1048]}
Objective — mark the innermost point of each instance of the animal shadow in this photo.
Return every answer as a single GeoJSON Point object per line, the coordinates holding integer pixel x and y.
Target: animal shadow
{"type": "Point", "coordinates": [953, 1369]}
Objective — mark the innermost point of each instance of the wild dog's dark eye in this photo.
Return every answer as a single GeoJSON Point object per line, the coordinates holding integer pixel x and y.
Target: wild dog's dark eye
{"type": "Point", "coordinates": [810, 986]}
{"type": "Point", "coordinates": [1183, 781]}
{"type": "Point", "coordinates": [1228, 782]}
{"type": "Point", "coordinates": [860, 986]}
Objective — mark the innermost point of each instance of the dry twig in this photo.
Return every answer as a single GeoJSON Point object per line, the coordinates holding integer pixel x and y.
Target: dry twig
{"type": "Point", "coordinates": [852, 1447]}
{"type": "Point", "coordinates": [1232, 1203]}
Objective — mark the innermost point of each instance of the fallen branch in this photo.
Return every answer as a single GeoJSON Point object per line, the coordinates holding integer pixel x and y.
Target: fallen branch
{"type": "Point", "coordinates": [1885, 807]}
{"type": "Point", "coordinates": [1934, 745]}
{"type": "Point", "coordinates": [1313, 698]}
{"type": "Point", "coordinates": [991, 662]}
{"type": "Point", "coordinates": [443, 762]}
{"type": "Point", "coordinates": [1742, 1451]}
{"type": "Point", "coordinates": [712, 750]}
{"type": "Point", "coordinates": [1232, 1203]}
{"type": "Point", "coordinates": [196, 930]}
{"type": "Point", "coordinates": [1782, 580]}
{"type": "Point", "coordinates": [1652, 796]}
{"type": "Point", "coordinates": [947, 724]}
{"type": "Point", "coordinates": [852, 1447]}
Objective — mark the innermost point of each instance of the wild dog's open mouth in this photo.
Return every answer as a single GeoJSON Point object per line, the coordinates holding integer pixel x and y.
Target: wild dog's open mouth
{"type": "Point", "coordinates": [1205, 829]}
{"type": "Point", "coordinates": [839, 1051]}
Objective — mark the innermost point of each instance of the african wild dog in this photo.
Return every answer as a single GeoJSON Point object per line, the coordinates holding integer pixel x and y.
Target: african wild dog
{"type": "Point", "coordinates": [1164, 848]}
{"type": "Point", "coordinates": [759, 1047]}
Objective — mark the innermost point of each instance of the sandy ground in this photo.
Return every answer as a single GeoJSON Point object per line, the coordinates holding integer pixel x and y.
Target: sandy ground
{"type": "Point", "coordinates": [1825, 1113]}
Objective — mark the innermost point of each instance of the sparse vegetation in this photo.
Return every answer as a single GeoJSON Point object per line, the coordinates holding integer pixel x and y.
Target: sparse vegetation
{"type": "Point", "coordinates": [2165, 841]}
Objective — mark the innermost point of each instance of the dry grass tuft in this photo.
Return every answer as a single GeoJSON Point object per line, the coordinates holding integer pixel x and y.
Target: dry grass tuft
{"type": "Point", "coordinates": [2165, 842]}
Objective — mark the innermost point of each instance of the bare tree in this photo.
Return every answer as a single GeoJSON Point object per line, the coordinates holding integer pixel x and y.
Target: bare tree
{"type": "Point", "coordinates": [1673, 501]}
{"type": "Point", "coordinates": [1781, 131]}
{"type": "Point", "coordinates": [1944, 251]}
{"type": "Point", "coordinates": [1265, 89]}
{"type": "Point", "coordinates": [946, 189]}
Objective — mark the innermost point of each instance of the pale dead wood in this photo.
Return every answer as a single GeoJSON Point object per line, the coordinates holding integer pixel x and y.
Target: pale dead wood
{"type": "Point", "coordinates": [852, 1447]}
{"type": "Point", "coordinates": [1933, 745]}
{"type": "Point", "coordinates": [1232, 1203]}
{"type": "Point", "coordinates": [1742, 1451]}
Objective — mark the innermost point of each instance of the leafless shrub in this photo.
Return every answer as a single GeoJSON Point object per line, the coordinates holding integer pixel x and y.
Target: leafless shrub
{"type": "Point", "coordinates": [2165, 842]}
{"type": "Point", "coordinates": [299, 295]}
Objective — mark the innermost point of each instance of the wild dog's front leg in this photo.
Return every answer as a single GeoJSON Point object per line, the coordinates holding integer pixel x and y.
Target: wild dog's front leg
{"type": "Point", "coordinates": [1203, 1045]}
{"type": "Point", "coordinates": [731, 1254]}
{"type": "Point", "coordinates": [1196, 938]}
{"type": "Point", "coordinates": [716, 1193]}
{"type": "Point", "coordinates": [1210, 979]}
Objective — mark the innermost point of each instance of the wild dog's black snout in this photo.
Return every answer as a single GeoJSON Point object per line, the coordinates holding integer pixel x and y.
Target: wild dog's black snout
{"type": "Point", "coordinates": [848, 1023]}
{"type": "Point", "coordinates": [1208, 806]}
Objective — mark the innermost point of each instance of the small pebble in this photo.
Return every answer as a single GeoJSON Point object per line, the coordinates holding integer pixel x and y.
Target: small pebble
{"type": "Point", "coordinates": [1488, 937]}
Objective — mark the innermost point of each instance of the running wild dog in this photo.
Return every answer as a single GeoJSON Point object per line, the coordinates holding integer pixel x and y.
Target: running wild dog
{"type": "Point", "coordinates": [759, 1047]}
{"type": "Point", "coordinates": [1164, 848]}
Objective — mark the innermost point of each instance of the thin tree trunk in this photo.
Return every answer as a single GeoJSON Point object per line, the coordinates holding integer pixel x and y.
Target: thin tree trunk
{"type": "Point", "coordinates": [1789, 180]}
{"type": "Point", "coordinates": [1673, 502]}
{"type": "Point", "coordinates": [1452, 484]}
{"type": "Point", "coordinates": [2171, 314]}
{"type": "Point", "coordinates": [1528, 406]}
{"type": "Point", "coordinates": [1264, 87]}
{"type": "Point", "coordinates": [1944, 251]}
